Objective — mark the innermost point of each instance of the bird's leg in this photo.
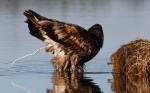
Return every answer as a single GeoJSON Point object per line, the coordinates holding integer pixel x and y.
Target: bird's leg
{"type": "Point", "coordinates": [73, 62]}
{"type": "Point", "coordinates": [66, 66]}
{"type": "Point", "coordinates": [81, 68]}
{"type": "Point", "coordinates": [73, 68]}
{"type": "Point", "coordinates": [57, 68]}
{"type": "Point", "coordinates": [76, 65]}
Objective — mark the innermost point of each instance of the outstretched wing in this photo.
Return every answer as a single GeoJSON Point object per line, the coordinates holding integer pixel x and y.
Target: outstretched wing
{"type": "Point", "coordinates": [67, 35]}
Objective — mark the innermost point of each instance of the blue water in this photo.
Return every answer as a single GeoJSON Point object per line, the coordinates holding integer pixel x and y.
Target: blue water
{"type": "Point", "coordinates": [122, 21]}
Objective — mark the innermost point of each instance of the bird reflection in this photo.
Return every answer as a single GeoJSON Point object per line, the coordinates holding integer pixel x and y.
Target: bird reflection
{"type": "Point", "coordinates": [72, 82]}
{"type": "Point", "coordinates": [130, 84]}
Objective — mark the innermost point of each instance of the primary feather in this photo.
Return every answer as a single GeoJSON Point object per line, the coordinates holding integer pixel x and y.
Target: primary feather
{"type": "Point", "coordinates": [71, 44]}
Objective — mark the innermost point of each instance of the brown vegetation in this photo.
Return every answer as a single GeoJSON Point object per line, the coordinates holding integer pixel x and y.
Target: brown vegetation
{"type": "Point", "coordinates": [130, 84]}
{"type": "Point", "coordinates": [132, 58]}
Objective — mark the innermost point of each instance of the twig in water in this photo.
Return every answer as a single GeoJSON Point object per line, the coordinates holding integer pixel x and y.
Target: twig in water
{"type": "Point", "coordinates": [27, 55]}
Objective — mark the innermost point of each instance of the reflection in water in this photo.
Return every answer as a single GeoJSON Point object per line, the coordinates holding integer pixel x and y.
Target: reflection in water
{"type": "Point", "coordinates": [28, 90]}
{"type": "Point", "coordinates": [130, 84]}
{"type": "Point", "coordinates": [67, 82]}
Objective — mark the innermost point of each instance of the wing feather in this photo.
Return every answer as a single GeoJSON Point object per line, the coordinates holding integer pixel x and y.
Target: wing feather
{"type": "Point", "coordinates": [68, 35]}
{"type": "Point", "coordinates": [71, 36]}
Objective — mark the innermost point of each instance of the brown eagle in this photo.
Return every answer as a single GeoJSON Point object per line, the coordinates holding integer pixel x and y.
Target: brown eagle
{"type": "Point", "coordinates": [72, 45]}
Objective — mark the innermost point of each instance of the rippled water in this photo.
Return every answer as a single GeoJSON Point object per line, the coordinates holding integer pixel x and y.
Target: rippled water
{"type": "Point", "coordinates": [122, 21]}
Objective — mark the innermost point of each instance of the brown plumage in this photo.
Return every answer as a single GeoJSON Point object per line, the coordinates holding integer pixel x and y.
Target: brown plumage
{"type": "Point", "coordinates": [71, 44]}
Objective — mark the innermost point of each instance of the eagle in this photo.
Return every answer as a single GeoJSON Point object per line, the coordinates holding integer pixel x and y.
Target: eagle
{"type": "Point", "coordinates": [72, 45]}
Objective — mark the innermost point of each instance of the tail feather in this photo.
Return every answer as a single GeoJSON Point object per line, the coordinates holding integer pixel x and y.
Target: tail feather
{"type": "Point", "coordinates": [33, 16]}
{"type": "Point", "coordinates": [32, 20]}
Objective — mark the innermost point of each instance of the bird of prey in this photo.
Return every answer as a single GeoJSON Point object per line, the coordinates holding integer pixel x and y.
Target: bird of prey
{"type": "Point", "coordinates": [72, 45]}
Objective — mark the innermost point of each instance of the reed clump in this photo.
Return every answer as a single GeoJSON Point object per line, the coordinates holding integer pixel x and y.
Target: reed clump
{"type": "Point", "coordinates": [132, 58]}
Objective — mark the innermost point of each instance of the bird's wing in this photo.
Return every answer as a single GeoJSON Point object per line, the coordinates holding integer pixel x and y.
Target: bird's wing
{"type": "Point", "coordinates": [71, 36]}
{"type": "Point", "coordinates": [66, 35]}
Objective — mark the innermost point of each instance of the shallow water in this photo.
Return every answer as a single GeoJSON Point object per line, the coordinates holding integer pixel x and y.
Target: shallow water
{"type": "Point", "coordinates": [122, 21]}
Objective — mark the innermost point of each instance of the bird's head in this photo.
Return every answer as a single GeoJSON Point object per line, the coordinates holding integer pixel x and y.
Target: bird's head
{"type": "Point", "coordinates": [96, 32]}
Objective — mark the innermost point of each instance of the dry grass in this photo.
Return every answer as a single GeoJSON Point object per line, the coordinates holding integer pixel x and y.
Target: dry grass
{"type": "Point", "coordinates": [132, 58]}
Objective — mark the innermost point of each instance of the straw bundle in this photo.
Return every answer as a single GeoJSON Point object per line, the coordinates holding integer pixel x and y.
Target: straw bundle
{"type": "Point", "coordinates": [132, 58]}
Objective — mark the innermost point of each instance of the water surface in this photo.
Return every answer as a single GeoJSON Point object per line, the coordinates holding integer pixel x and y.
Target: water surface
{"type": "Point", "coordinates": [122, 21]}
